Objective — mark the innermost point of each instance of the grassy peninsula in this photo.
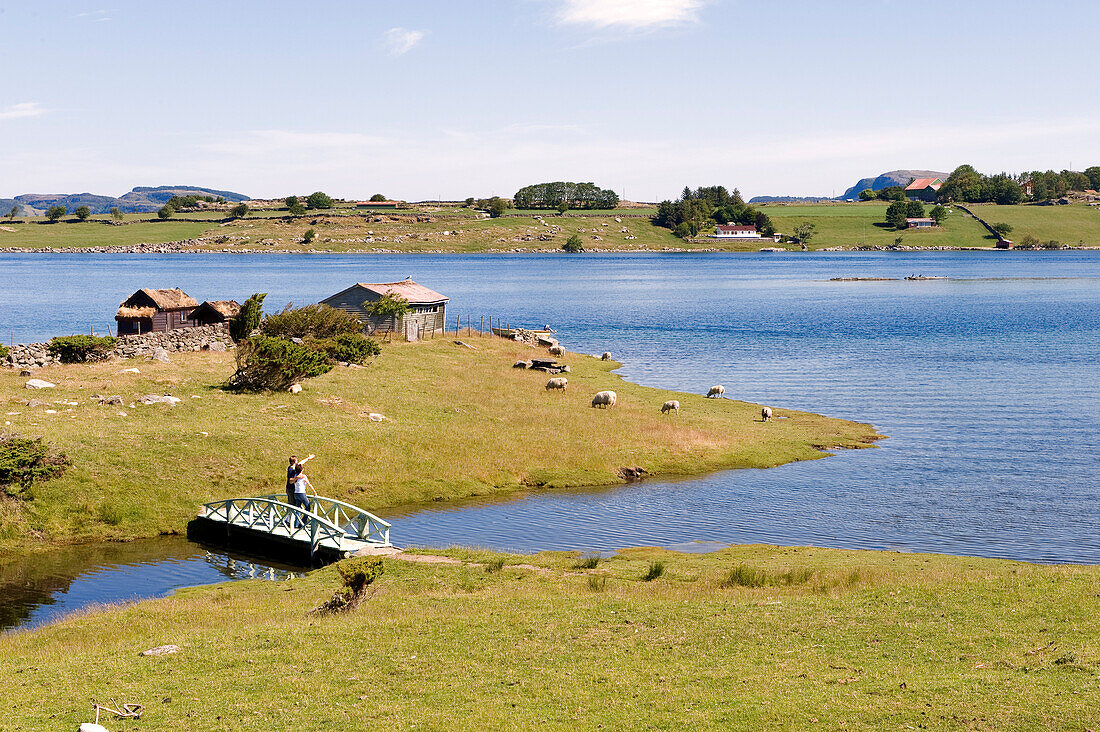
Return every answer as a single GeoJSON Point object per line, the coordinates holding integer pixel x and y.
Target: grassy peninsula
{"type": "Point", "coordinates": [745, 638]}
{"type": "Point", "coordinates": [459, 422]}
{"type": "Point", "coordinates": [455, 229]}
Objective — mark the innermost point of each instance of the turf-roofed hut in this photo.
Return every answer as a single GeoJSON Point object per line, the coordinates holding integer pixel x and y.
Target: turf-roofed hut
{"type": "Point", "coordinates": [213, 312]}
{"type": "Point", "coordinates": [427, 308]}
{"type": "Point", "coordinates": [149, 310]}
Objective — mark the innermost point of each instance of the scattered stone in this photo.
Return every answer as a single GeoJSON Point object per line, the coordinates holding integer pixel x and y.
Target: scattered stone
{"type": "Point", "coordinates": [464, 344]}
{"type": "Point", "coordinates": [521, 365]}
{"type": "Point", "coordinates": [160, 354]}
{"type": "Point", "coordinates": [113, 400]}
{"type": "Point", "coordinates": [130, 371]}
{"type": "Point", "coordinates": [36, 403]}
{"type": "Point", "coordinates": [26, 372]}
{"type": "Point", "coordinates": [39, 384]}
{"type": "Point", "coordinates": [159, 399]}
{"type": "Point", "coordinates": [160, 651]}
{"type": "Point", "coordinates": [375, 417]}
{"type": "Point", "coordinates": [297, 340]}
{"type": "Point", "coordinates": [295, 389]}
{"type": "Point", "coordinates": [632, 474]}
{"type": "Point", "coordinates": [217, 347]}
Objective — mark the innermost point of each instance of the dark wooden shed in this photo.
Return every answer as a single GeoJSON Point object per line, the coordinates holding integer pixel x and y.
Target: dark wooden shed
{"type": "Point", "coordinates": [149, 310]}
{"type": "Point", "coordinates": [212, 312]}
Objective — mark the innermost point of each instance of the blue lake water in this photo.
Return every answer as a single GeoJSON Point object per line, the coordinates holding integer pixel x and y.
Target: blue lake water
{"type": "Point", "coordinates": [987, 383]}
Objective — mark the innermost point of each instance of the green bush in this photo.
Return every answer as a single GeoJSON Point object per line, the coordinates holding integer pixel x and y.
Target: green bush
{"type": "Point", "coordinates": [273, 364]}
{"type": "Point", "coordinates": [573, 245]}
{"type": "Point", "coordinates": [248, 319]}
{"type": "Point", "coordinates": [81, 348]}
{"type": "Point", "coordinates": [309, 236]}
{"type": "Point", "coordinates": [318, 200]}
{"type": "Point", "coordinates": [653, 571]}
{"type": "Point", "coordinates": [4, 351]}
{"type": "Point", "coordinates": [239, 211]}
{"type": "Point", "coordinates": [24, 460]}
{"type": "Point", "coordinates": [590, 562]}
{"type": "Point", "coordinates": [358, 572]}
{"type": "Point", "coordinates": [310, 321]}
{"type": "Point", "coordinates": [54, 213]}
{"type": "Point", "coordinates": [347, 347]}
{"type": "Point", "coordinates": [165, 212]}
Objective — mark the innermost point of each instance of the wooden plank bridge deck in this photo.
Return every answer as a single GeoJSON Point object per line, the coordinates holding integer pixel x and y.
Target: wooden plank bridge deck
{"type": "Point", "coordinates": [331, 529]}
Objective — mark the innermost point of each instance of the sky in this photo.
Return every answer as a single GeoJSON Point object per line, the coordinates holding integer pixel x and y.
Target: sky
{"type": "Point", "coordinates": [425, 99]}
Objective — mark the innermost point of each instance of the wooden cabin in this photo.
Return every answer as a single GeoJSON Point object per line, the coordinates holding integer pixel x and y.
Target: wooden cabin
{"type": "Point", "coordinates": [213, 312]}
{"type": "Point", "coordinates": [427, 308]}
{"type": "Point", "coordinates": [149, 310]}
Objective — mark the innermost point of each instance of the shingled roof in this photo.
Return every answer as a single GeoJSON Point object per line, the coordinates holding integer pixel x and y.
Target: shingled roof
{"type": "Point", "coordinates": [407, 289]}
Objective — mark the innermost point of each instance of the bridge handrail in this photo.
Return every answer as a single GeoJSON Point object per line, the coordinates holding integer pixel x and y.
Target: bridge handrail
{"type": "Point", "coordinates": [367, 526]}
{"type": "Point", "coordinates": [272, 513]}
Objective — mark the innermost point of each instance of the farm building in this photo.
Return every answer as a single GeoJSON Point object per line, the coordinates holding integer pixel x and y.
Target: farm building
{"type": "Point", "coordinates": [427, 308]}
{"type": "Point", "coordinates": [215, 311]}
{"type": "Point", "coordinates": [150, 310]}
{"type": "Point", "coordinates": [733, 231]}
{"type": "Point", "coordinates": [923, 189]}
{"type": "Point", "coordinates": [920, 223]}
{"type": "Point", "coordinates": [377, 204]}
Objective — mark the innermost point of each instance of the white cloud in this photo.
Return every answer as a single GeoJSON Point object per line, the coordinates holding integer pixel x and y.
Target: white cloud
{"type": "Point", "coordinates": [631, 15]}
{"type": "Point", "coordinates": [402, 40]}
{"type": "Point", "coordinates": [23, 109]}
{"type": "Point", "coordinates": [95, 16]}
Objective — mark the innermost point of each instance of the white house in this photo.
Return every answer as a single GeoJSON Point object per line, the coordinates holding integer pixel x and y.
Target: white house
{"type": "Point", "coordinates": [733, 231]}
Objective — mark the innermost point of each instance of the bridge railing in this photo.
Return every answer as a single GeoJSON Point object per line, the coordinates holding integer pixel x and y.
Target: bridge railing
{"type": "Point", "coordinates": [355, 522]}
{"type": "Point", "coordinates": [266, 513]}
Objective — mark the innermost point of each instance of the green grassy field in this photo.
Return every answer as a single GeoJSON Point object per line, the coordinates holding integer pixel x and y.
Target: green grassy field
{"type": "Point", "coordinates": [854, 224]}
{"type": "Point", "coordinates": [461, 422]}
{"type": "Point", "coordinates": [825, 640]}
{"type": "Point", "coordinates": [1075, 224]}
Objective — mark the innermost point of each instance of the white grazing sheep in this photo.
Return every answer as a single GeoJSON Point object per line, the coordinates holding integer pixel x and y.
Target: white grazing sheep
{"type": "Point", "coordinates": [558, 383]}
{"type": "Point", "coordinates": [766, 414]}
{"type": "Point", "coordinates": [670, 406]}
{"type": "Point", "coordinates": [606, 356]}
{"type": "Point", "coordinates": [604, 399]}
{"type": "Point", "coordinates": [557, 351]}
{"type": "Point", "coordinates": [716, 391]}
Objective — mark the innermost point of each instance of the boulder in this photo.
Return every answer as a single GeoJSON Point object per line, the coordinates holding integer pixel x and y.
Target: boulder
{"type": "Point", "coordinates": [217, 347]}
{"type": "Point", "coordinates": [159, 399]}
{"type": "Point", "coordinates": [521, 365]}
{"type": "Point", "coordinates": [129, 371]}
{"type": "Point", "coordinates": [160, 354]}
{"type": "Point", "coordinates": [38, 384]}
{"type": "Point", "coordinates": [375, 417]}
{"type": "Point", "coordinates": [160, 651]}
{"type": "Point", "coordinates": [295, 389]}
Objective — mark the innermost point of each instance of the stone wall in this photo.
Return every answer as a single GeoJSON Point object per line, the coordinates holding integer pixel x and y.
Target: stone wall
{"type": "Point", "coordinates": [216, 337]}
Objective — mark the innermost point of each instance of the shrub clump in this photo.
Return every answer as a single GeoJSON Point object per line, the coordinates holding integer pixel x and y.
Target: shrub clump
{"type": "Point", "coordinates": [81, 348]}
{"type": "Point", "coordinates": [310, 321]}
{"type": "Point", "coordinates": [357, 573]}
{"type": "Point", "coordinates": [24, 460]}
{"type": "Point", "coordinates": [248, 319]}
{"type": "Point", "coordinates": [273, 364]}
{"type": "Point", "coordinates": [4, 351]}
{"type": "Point", "coordinates": [347, 348]}
{"type": "Point", "coordinates": [653, 571]}
{"type": "Point", "coordinates": [743, 575]}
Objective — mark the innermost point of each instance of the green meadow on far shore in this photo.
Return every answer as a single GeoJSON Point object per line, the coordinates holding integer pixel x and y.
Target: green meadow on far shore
{"type": "Point", "coordinates": [448, 228]}
{"type": "Point", "coordinates": [750, 637]}
{"type": "Point", "coordinates": [459, 422]}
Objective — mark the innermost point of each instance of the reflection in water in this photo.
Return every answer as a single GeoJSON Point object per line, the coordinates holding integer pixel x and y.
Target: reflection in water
{"type": "Point", "coordinates": [41, 587]}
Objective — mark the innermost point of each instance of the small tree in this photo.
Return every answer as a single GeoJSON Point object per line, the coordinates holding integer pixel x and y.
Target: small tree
{"type": "Point", "coordinates": [14, 211]}
{"type": "Point", "coordinates": [248, 319]}
{"type": "Point", "coordinates": [83, 212]}
{"type": "Point", "coordinates": [804, 232]}
{"type": "Point", "coordinates": [377, 197]}
{"type": "Point", "coordinates": [914, 209]}
{"type": "Point", "coordinates": [239, 211]}
{"type": "Point", "coordinates": [54, 213]}
{"type": "Point", "coordinates": [867, 194]}
{"type": "Point", "coordinates": [1002, 229]}
{"type": "Point", "coordinates": [291, 201]}
{"type": "Point", "coordinates": [563, 207]}
{"type": "Point", "coordinates": [939, 213]}
{"type": "Point", "coordinates": [318, 200]}
{"type": "Point", "coordinates": [469, 202]}
{"type": "Point", "coordinates": [573, 245]}
{"type": "Point", "coordinates": [497, 207]}
{"type": "Point", "coordinates": [388, 307]}
{"type": "Point", "coordinates": [297, 209]}
{"type": "Point", "coordinates": [896, 213]}
{"type": "Point", "coordinates": [309, 236]}
{"type": "Point", "coordinates": [165, 212]}
{"type": "Point", "coordinates": [116, 214]}
{"type": "Point", "coordinates": [24, 460]}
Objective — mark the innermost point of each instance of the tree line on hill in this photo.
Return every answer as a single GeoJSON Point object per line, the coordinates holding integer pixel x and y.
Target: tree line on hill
{"type": "Point", "coordinates": [565, 195]}
{"type": "Point", "coordinates": [967, 185]}
{"type": "Point", "coordinates": [706, 205]}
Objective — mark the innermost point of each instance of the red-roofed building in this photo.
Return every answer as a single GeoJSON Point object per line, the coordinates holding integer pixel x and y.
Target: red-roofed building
{"type": "Point", "coordinates": [427, 308]}
{"type": "Point", "coordinates": [734, 231]}
{"type": "Point", "coordinates": [923, 189]}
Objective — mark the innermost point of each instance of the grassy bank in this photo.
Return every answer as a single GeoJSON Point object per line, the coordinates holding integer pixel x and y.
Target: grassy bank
{"type": "Point", "coordinates": [460, 422]}
{"type": "Point", "coordinates": [428, 228]}
{"type": "Point", "coordinates": [829, 640]}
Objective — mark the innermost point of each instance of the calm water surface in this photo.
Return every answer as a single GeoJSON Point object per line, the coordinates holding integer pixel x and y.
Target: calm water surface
{"type": "Point", "coordinates": [987, 383]}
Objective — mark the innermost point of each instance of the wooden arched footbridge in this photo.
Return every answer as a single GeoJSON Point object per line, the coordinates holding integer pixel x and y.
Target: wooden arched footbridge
{"type": "Point", "coordinates": [329, 530]}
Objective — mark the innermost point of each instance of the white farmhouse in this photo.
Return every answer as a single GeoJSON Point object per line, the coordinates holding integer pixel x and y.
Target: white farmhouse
{"type": "Point", "coordinates": [733, 231]}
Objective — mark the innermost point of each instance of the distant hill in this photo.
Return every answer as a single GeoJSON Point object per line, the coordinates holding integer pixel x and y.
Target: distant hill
{"type": "Point", "coordinates": [142, 199]}
{"type": "Point", "coordinates": [892, 178]}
